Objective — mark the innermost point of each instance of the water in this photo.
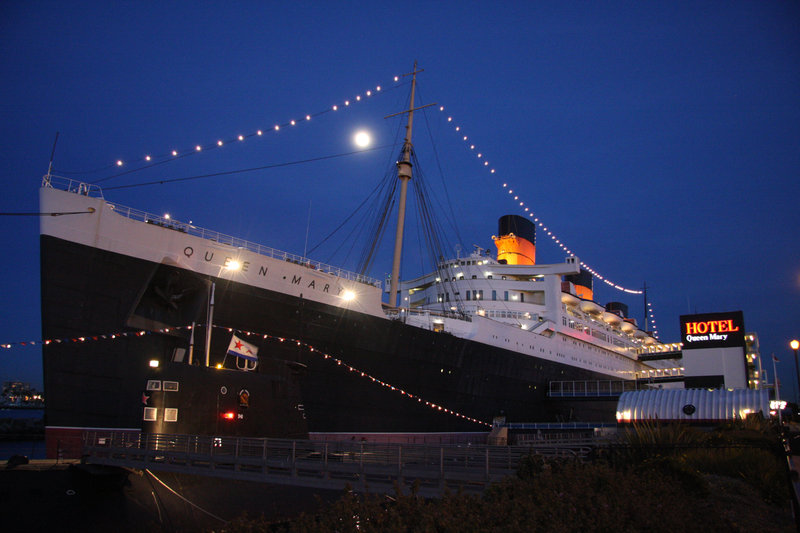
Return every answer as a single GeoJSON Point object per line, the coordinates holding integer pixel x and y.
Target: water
{"type": "Point", "coordinates": [17, 414]}
{"type": "Point", "coordinates": [33, 449]}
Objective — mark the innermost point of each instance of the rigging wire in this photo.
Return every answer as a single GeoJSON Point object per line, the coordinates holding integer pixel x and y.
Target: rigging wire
{"type": "Point", "coordinates": [243, 170]}
{"type": "Point", "coordinates": [380, 223]}
{"type": "Point", "coordinates": [453, 219]}
{"type": "Point", "coordinates": [435, 236]}
{"type": "Point", "coordinates": [175, 154]}
{"type": "Point", "coordinates": [368, 215]}
{"type": "Point", "coordinates": [50, 214]}
{"type": "Point", "coordinates": [346, 220]}
{"type": "Point", "coordinates": [184, 499]}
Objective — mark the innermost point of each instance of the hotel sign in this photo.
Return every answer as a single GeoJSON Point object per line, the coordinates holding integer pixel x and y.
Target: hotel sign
{"type": "Point", "coordinates": [712, 330]}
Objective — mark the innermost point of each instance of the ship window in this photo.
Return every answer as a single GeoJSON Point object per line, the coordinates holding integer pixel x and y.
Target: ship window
{"type": "Point", "coordinates": [468, 295]}
{"type": "Point", "coordinates": [494, 295]}
{"type": "Point", "coordinates": [474, 276]}
{"type": "Point", "coordinates": [522, 297]}
{"type": "Point", "coordinates": [150, 414]}
{"type": "Point", "coordinates": [480, 295]}
{"type": "Point", "coordinates": [505, 295]}
{"type": "Point", "coordinates": [153, 384]}
{"type": "Point", "coordinates": [170, 414]}
{"type": "Point", "coordinates": [171, 385]}
{"type": "Point", "coordinates": [178, 355]}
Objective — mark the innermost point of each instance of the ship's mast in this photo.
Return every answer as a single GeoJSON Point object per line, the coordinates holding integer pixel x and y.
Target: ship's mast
{"type": "Point", "coordinates": [404, 175]}
{"type": "Point", "coordinates": [644, 292]}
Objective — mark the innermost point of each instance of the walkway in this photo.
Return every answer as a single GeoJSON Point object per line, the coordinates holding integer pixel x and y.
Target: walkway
{"type": "Point", "coordinates": [364, 466]}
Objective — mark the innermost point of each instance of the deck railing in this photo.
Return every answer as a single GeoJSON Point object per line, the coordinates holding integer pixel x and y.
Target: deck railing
{"type": "Point", "coordinates": [590, 388]}
{"type": "Point", "coordinates": [77, 187]}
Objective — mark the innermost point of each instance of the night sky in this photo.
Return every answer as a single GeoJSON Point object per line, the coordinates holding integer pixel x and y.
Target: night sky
{"type": "Point", "coordinates": [660, 142]}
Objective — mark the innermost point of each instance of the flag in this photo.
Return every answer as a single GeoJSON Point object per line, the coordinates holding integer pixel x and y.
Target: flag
{"type": "Point", "coordinates": [239, 348]}
{"type": "Point", "coordinates": [775, 359]}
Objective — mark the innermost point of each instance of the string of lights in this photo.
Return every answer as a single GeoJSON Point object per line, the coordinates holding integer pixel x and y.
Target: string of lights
{"type": "Point", "coordinates": [652, 318]}
{"type": "Point", "coordinates": [326, 356]}
{"type": "Point", "coordinates": [152, 160]}
{"type": "Point", "coordinates": [521, 204]}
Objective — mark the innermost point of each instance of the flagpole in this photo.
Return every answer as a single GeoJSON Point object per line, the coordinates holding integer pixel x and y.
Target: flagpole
{"type": "Point", "coordinates": [777, 389]}
{"type": "Point", "coordinates": [210, 322]}
{"type": "Point", "coordinates": [191, 345]}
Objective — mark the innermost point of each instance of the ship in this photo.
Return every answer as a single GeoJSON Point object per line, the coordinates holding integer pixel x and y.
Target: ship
{"type": "Point", "coordinates": [160, 326]}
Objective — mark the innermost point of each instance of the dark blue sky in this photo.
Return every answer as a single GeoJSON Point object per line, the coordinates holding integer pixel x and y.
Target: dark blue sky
{"type": "Point", "coordinates": [659, 141]}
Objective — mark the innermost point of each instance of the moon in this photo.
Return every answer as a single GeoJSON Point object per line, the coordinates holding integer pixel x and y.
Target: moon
{"type": "Point", "coordinates": [362, 139]}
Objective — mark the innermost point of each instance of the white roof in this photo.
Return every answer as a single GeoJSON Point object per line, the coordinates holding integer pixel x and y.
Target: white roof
{"type": "Point", "coordinates": [691, 405]}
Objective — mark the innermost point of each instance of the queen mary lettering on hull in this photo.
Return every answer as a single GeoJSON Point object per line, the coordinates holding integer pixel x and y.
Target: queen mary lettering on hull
{"type": "Point", "coordinates": [162, 302]}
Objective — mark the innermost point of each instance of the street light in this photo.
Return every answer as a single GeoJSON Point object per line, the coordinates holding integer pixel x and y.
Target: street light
{"type": "Point", "coordinates": [794, 345]}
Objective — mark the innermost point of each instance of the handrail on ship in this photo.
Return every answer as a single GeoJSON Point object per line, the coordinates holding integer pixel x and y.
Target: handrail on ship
{"type": "Point", "coordinates": [73, 186]}
{"type": "Point", "coordinates": [87, 189]}
{"type": "Point", "coordinates": [403, 312]}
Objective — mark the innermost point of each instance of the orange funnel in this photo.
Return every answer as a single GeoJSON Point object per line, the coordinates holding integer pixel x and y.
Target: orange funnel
{"type": "Point", "coordinates": [516, 244]}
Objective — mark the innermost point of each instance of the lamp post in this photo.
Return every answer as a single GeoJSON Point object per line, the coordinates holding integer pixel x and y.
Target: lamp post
{"type": "Point", "coordinates": [794, 345]}
{"type": "Point", "coordinates": [777, 389]}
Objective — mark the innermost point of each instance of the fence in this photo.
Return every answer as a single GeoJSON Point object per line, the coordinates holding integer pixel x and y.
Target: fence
{"type": "Point", "coordinates": [365, 466]}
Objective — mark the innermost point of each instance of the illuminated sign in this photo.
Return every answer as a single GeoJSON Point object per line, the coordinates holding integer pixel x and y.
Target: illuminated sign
{"type": "Point", "coordinates": [712, 330]}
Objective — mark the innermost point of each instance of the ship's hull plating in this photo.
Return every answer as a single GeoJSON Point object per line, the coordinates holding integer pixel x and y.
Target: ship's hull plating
{"type": "Point", "coordinates": [88, 292]}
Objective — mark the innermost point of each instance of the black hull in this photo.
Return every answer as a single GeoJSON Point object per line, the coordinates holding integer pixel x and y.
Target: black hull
{"type": "Point", "coordinates": [99, 383]}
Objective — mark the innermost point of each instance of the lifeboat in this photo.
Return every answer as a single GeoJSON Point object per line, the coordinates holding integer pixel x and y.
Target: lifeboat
{"type": "Point", "coordinates": [569, 299]}
{"type": "Point", "coordinates": [627, 327]}
{"type": "Point", "coordinates": [611, 318]}
{"type": "Point", "coordinates": [588, 306]}
{"type": "Point", "coordinates": [640, 334]}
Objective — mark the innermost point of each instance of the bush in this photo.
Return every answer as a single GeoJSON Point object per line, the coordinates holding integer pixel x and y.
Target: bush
{"type": "Point", "coordinates": [657, 478]}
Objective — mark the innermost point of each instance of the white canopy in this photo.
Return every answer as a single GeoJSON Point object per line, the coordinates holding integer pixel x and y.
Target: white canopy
{"type": "Point", "coordinates": [691, 405]}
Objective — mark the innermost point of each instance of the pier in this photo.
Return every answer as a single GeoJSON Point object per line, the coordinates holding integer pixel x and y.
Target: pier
{"type": "Point", "coordinates": [366, 467]}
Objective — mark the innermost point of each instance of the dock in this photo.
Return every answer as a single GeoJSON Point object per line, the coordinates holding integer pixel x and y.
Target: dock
{"type": "Point", "coordinates": [363, 466]}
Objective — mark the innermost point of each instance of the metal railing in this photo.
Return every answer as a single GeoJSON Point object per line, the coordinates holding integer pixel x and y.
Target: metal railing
{"type": "Point", "coordinates": [69, 185]}
{"type": "Point", "coordinates": [590, 388]}
{"type": "Point", "coordinates": [366, 466]}
{"type": "Point", "coordinates": [404, 313]}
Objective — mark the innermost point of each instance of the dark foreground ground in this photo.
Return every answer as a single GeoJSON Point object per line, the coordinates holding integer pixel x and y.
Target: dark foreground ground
{"type": "Point", "coordinates": [44, 496]}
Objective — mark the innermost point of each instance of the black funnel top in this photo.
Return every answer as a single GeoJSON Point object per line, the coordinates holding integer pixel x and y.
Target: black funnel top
{"type": "Point", "coordinates": [583, 279]}
{"type": "Point", "coordinates": [519, 226]}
